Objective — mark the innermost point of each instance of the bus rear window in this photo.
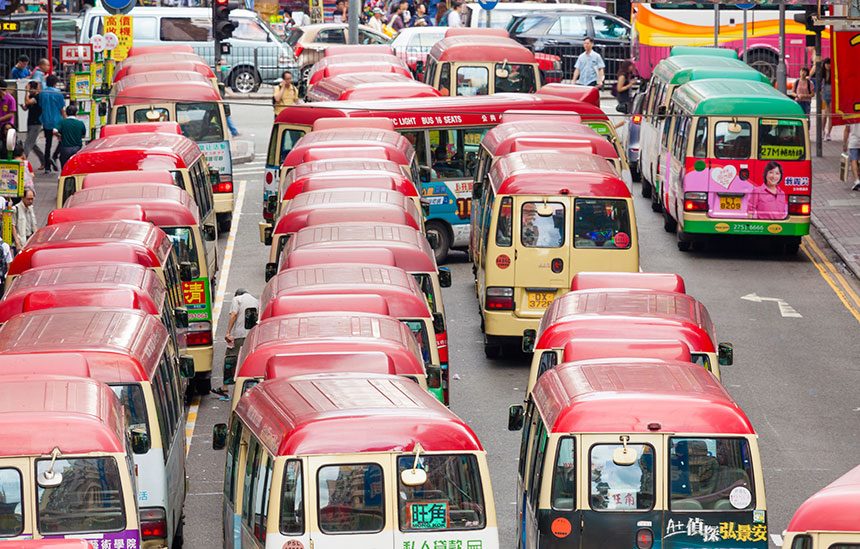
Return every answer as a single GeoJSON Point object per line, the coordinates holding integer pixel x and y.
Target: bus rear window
{"type": "Point", "coordinates": [710, 474]}
{"type": "Point", "coordinates": [184, 245]}
{"type": "Point", "coordinates": [601, 223]}
{"type": "Point", "coordinates": [516, 77]}
{"type": "Point", "coordinates": [622, 487]}
{"type": "Point", "coordinates": [419, 330]}
{"type": "Point", "coordinates": [134, 405]}
{"type": "Point", "coordinates": [89, 498]}
{"type": "Point", "coordinates": [732, 140]}
{"type": "Point", "coordinates": [351, 499]}
{"type": "Point", "coordinates": [781, 140]}
{"type": "Point", "coordinates": [451, 499]}
{"type": "Point", "coordinates": [11, 496]}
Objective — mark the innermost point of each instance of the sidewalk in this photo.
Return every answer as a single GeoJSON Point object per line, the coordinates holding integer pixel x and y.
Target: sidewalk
{"type": "Point", "coordinates": [835, 207]}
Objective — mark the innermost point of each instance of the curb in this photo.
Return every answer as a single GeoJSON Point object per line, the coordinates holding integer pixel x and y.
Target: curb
{"type": "Point", "coordinates": [837, 247]}
{"type": "Point", "coordinates": [242, 150]}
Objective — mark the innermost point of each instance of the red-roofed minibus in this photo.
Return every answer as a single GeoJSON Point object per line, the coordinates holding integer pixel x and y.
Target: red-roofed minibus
{"type": "Point", "coordinates": [637, 453]}
{"type": "Point", "coordinates": [635, 313]}
{"type": "Point", "coordinates": [91, 213]}
{"type": "Point", "coordinates": [152, 87]}
{"type": "Point", "coordinates": [334, 50]}
{"type": "Point", "coordinates": [128, 350]}
{"type": "Point", "coordinates": [362, 86]}
{"type": "Point", "coordinates": [143, 127]}
{"type": "Point", "coordinates": [65, 465]}
{"type": "Point", "coordinates": [612, 348]}
{"type": "Point", "coordinates": [143, 152]}
{"type": "Point", "coordinates": [342, 205]}
{"type": "Point", "coordinates": [201, 114]}
{"type": "Point", "coordinates": [172, 48]}
{"type": "Point", "coordinates": [828, 519]}
{"type": "Point", "coordinates": [481, 65]}
{"type": "Point", "coordinates": [347, 458]}
{"type": "Point", "coordinates": [348, 63]}
{"type": "Point", "coordinates": [663, 282]}
{"type": "Point", "coordinates": [199, 67]}
{"type": "Point", "coordinates": [156, 57]}
{"type": "Point", "coordinates": [543, 217]}
{"type": "Point", "coordinates": [321, 333]}
{"type": "Point", "coordinates": [402, 297]}
{"type": "Point", "coordinates": [452, 126]}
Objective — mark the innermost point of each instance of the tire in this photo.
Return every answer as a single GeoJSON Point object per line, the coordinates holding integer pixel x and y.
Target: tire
{"type": "Point", "coordinates": [792, 246]}
{"type": "Point", "coordinates": [646, 189]}
{"type": "Point", "coordinates": [684, 242]}
{"type": "Point", "coordinates": [669, 223]}
{"type": "Point", "coordinates": [443, 234]}
{"type": "Point", "coordinates": [224, 221]}
{"type": "Point", "coordinates": [178, 537]}
{"type": "Point", "coordinates": [492, 349]}
{"type": "Point", "coordinates": [245, 80]}
{"type": "Point", "coordinates": [655, 200]}
{"type": "Point", "coordinates": [764, 61]}
{"type": "Point", "coordinates": [202, 384]}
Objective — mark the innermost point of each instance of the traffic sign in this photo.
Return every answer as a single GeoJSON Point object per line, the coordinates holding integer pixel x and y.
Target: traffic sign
{"type": "Point", "coordinates": [117, 7]}
{"type": "Point", "coordinates": [98, 43]}
{"type": "Point", "coordinates": [488, 4]}
{"type": "Point", "coordinates": [745, 6]}
{"type": "Point", "coordinates": [111, 41]}
{"type": "Point", "coordinates": [76, 53]}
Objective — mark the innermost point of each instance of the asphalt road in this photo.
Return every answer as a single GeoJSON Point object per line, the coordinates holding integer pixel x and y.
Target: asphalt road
{"type": "Point", "coordinates": [796, 378]}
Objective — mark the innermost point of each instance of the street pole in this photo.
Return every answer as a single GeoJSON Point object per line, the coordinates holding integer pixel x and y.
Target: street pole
{"type": "Point", "coordinates": [716, 25]}
{"type": "Point", "coordinates": [820, 119]}
{"type": "Point", "coordinates": [780, 67]}
{"type": "Point", "coordinates": [354, 9]}
{"type": "Point", "coordinates": [50, 37]}
{"type": "Point", "coordinates": [745, 35]}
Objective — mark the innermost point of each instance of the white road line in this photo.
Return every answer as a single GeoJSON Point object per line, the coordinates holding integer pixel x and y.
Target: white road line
{"type": "Point", "coordinates": [777, 539]}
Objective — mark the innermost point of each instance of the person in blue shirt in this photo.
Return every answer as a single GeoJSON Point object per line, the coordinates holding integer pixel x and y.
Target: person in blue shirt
{"type": "Point", "coordinates": [41, 72]}
{"type": "Point", "coordinates": [52, 102]}
{"type": "Point", "coordinates": [21, 68]}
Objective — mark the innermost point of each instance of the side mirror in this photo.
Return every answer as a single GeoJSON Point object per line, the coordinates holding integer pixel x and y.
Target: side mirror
{"type": "Point", "coordinates": [661, 110]}
{"type": "Point", "coordinates": [438, 323]}
{"type": "Point", "coordinates": [425, 174]}
{"type": "Point", "coordinates": [180, 315]}
{"type": "Point", "coordinates": [209, 233]}
{"type": "Point", "coordinates": [433, 240]}
{"type": "Point", "coordinates": [271, 270]}
{"type": "Point", "coordinates": [186, 366]}
{"type": "Point", "coordinates": [477, 190]}
{"type": "Point", "coordinates": [102, 108]}
{"type": "Point", "coordinates": [624, 456]}
{"type": "Point", "coordinates": [250, 317]}
{"type": "Point", "coordinates": [188, 271]}
{"type": "Point", "coordinates": [272, 204]}
{"type": "Point", "coordinates": [425, 207]}
{"type": "Point", "coordinates": [214, 177]}
{"type": "Point", "coordinates": [529, 337]}
{"type": "Point", "coordinates": [267, 235]}
{"type": "Point", "coordinates": [419, 67]}
{"type": "Point", "coordinates": [413, 477]}
{"type": "Point", "coordinates": [516, 417]}
{"type": "Point", "coordinates": [444, 277]}
{"type": "Point", "coordinates": [226, 109]}
{"type": "Point", "coordinates": [219, 436]}
{"type": "Point", "coordinates": [140, 443]}
{"type": "Point", "coordinates": [49, 479]}
{"type": "Point", "coordinates": [726, 356]}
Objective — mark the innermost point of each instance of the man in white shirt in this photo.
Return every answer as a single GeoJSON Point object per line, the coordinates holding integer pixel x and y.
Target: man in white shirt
{"type": "Point", "coordinates": [236, 332]}
{"type": "Point", "coordinates": [851, 143]}
{"type": "Point", "coordinates": [455, 16]}
{"type": "Point", "coordinates": [589, 68]}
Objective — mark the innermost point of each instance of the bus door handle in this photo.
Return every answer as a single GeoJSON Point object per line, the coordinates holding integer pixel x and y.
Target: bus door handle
{"type": "Point", "coordinates": [515, 254]}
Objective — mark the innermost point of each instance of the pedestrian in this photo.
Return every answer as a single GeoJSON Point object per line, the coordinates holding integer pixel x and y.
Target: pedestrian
{"type": "Point", "coordinates": [804, 90]}
{"type": "Point", "coordinates": [623, 87]}
{"type": "Point", "coordinates": [285, 94]}
{"type": "Point", "coordinates": [375, 22]}
{"type": "Point", "coordinates": [339, 14]}
{"type": "Point", "coordinates": [21, 69]}
{"type": "Point", "coordinates": [71, 132]}
{"type": "Point", "coordinates": [34, 126]}
{"type": "Point", "coordinates": [397, 21]}
{"type": "Point", "coordinates": [301, 17]}
{"type": "Point", "coordinates": [51, 101]}
{"type": "Point", "coordinates": [24, 219]}
{"type": "Point", "coordinates": [236, 332]}
{"type": "Point", "coordinates": [455, 15]}
{"type": "Point", "coordinates": [826, 95]}
{"type": "Point", "coordinates": [41, 72]}
{"type": "Point", "coordinates": [8, 108]}
{"type": "Point", "coordinates": [421, 18]}
{"type": "Point", "coordinates": [5, 260]}
{"type": "Point", "coordinates": [589, 68]}
{"type": "Point", "coordinates": [851, 144]}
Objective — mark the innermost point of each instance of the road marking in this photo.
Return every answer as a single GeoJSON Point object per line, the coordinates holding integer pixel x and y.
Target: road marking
{"type": "Point", "coordinates": [832, 277]}
{"type": "Point", "coordinates": [219, 300]}
{"type": "Point", "coordinates": [786, 310]}
{"type": "Point", "coordinates": [777, 539]}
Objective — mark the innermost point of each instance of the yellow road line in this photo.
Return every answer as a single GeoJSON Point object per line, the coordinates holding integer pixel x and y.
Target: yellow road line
{"type": "Point", "coordinates": [832, 277]}
{"type": "Point", "coordinates": [190, 421]}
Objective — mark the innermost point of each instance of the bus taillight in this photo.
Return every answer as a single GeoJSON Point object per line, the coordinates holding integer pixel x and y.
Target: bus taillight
{"type": "Point", "coordinates": [799, 204]}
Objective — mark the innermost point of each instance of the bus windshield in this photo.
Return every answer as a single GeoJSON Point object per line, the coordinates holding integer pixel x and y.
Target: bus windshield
{"type": "Point", "coordinates": [11, 495]}
{"type": "Point", "coordinates": [131, 397]}
{"type": "Point", "coordinates": [183, 243]}
{"type": "Point", "coordinates": [89, 498]}
{"type": "Point", "coordinates": [710, 474]}
{"type": "Point", "coordinates": [451, 499]}
{"type": "Point", "coordinates": [601, 223]}
{"type": "Point", "coordinates": [200, 122]}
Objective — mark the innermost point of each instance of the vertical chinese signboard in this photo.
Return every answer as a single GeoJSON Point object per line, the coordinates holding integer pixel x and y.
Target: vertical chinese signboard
{"type": "Point", "coordinates": [121, 26]}
{"type": "Point", "coordinates": [846, 77]}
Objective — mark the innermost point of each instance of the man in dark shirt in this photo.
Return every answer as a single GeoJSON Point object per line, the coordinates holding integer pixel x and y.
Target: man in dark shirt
{"type": "Point", "coordinates": [72, 132]}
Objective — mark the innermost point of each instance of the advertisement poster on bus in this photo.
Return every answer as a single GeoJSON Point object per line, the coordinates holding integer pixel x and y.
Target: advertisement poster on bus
{"type": "Point", "coordinates": [218, 156]}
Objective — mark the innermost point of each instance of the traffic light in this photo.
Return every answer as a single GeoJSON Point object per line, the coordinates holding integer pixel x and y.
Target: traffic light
{"type": "Point", "coordinates": [806, 19]}
{"type": "Point", "coordinates": [222, 27]}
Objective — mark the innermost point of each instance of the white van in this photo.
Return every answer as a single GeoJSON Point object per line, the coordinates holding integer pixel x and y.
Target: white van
{"type": "Point", "coordinates": [257, 53]}
{"type": "Point", "coordinates": [501, 15]}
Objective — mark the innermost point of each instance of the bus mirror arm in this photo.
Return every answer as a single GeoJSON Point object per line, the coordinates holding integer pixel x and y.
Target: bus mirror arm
{"type": "Point", "coordinates": [219, 436]}
{"type": "Point", "coordinates": [50, 478]}
{"type": "Point", "coordinates": [444, 277]}
{"type": "Point", "coordinates": [209, 233]}
{"type": "Point", "coordinates": [188, 271]}
{"type": "Point", "coordinates": [140, 443]}
{"type": "Point", "coordinates": [250, 317]}
{"type": "Point", "coordinates": [726, 356]}
{"type": "Point", "coordinates": [516, 417]}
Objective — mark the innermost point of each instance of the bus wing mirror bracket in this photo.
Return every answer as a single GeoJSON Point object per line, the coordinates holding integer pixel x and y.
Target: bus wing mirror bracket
{"type": "Point", "coordinates": [726, 356]}
{"type": "Point", "coordinates": [209, 233]}
{"type": "Point", "coordinates": [188, 271]}
{"type": "Point", "coordinates": [219, 436]}
{"type": "Point", "coordinates": [140, 443]}
{"type": "Point", "coordinates": [180, 315]}
{"type": "Point", "coordinates": [50, 478]}
{"type": "Point", "coordinates": [186, 366]}
{"type": "Point", "coordinates": [516, 417]}
{"type": "Point", "coordinates": [529, 337]}
{"type": "Point", "coordinates": [271, 270]}
{"type": "Point", "coordinates": [251, 315]}
{"type": "Point", "coordinates": [444, 277]}
{"type": "Point", "coordinates": [438, 323]}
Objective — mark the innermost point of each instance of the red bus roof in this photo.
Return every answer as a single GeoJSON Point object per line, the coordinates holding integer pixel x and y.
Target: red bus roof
{"type": "Point", "coordinates": [399, 148]}
{"type": "Point", "coordinates": [150, 245]}
{"type": "Point", "coordinates": [586, 94]}
{"type": "Point", "coordinates": [355, 303]}
{"type": "Point", "coordinates": [152, 86]}
{"type": "Point", "coordinates": [301, 182]}
{"type": "Point", "coordinates": [663, 282]}
{"type": "Point", "coordinates": [357, 62]}
{"type": "Point", "coordinates": [141, 127]}
{"type": "Point", "coordinates": [283, 366]}
{"type": "Point", "coordinates": [96, 213]}
{"type": "Point", "coordinates": [60, 543]}
{"type": "Point", "coordinates": [501, 139]}
{"type": "Point", "coordinates": [475, 31]}
{"type": "Point", "coordinates": [163, 205]}
{"type": "Point", "coordinates": [626, 309]}
{"type": "Point", "coordinates": [172, 48]}
{"type": "Point", "coordinates": [410, 248]}
{"type": "Point", "coordinates": [150, 151]}
{"type": "Point", "coordinates": [350, 413]}
{"type": "Point", "coordinates": [335, 50]}
{"type": "Point", "coordinates": [93, 296]}
{"type": "Point", "coordinates": [480, 49]}
{"type": "Point", "coordinates": [76, 415]}
{"type": "Point", "coordinates": [483, 110]}
{"type": "Point", "coordinates": [326, 332]}
{"type": "Point", "coordinates": [104, 179]}
{"type": "Point", "coordinates": [597, 348]}
{"type": "Point", "coordinates": [337, 123]}
{"type": "Point", "coordinates": [369, 85]}
{"type": "Point", "coordinates": [185, 66]}
{"type": "Point", "coordinates": [343, 205]}
{"type": "Point", "coordinates": [120, 345]}
{"type": "Point", "coordinates": [403, 297]}
{"type": "Point", "coordinates": [159, 57]}
{"type": "Point", "coordinates": [632, 396]}
{"type": "Point", "coordinates": [834, 508]}
{"type": "Point", "coordinates": [545, 116]}
{"type": "Point", "coordinates": [550, 173]}
{"type": "Point", "coordinates": [323, 256]}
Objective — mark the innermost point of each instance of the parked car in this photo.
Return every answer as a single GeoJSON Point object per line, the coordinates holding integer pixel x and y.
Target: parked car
{"type": "Point", "coordinates": [562, 34]}
{"type": "Point", "coordinates": [500, 16]}
{"type": "Point", "coordinates": [32, 39]}
{"type": "Point", "coordinates": [257, 53]}
{"type": "Point", "coordinates": [630, 140]}
{"type": "Point", "coordinates": [413, 44]}
{"type": "Point", "coordinates": [310, 41]}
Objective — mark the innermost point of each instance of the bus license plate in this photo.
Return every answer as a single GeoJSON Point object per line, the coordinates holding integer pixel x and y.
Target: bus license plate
{"type": "Point", "coordinates": [730, 202]}
{"type": "Point", "coordinates": [540, 300]}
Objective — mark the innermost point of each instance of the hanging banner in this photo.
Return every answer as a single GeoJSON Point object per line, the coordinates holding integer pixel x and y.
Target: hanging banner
{"type": "Point", "coordinates": [846, 77]}
{"type": "Point", "coordinates": [121, 26]}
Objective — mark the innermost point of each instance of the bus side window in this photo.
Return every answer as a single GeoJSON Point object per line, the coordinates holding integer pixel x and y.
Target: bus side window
{"type": "Point", "coordinates": [564, 476]}
{"type": "Point", "coordinates": [504, 225]}
{"type": "Point", "coordinates": [69, 187]}
{"type": "Point", "coordinates": [252, 466]}
{"type": "Point", "coordinates": [161, 411]}
{"type": "Point", "coordinates": [548, 360]}
{"type": "Point", "coordinates": [524, 445]}
{"type": "Point", "coordinates": [536, 474]}
{"type": "Point", "coordinates": [121, 116]}
{"type": "Point", "coordinates": [445, 79]}
{"type": "Point", "coordinates": [487, 212]}
{"type": "Point", "coordinates": [805, 542]}
{"type": "Point", "coordinates": [232, 465]}
{"type": "Point", "coordinates": [680, 147]}
{"type": "Point", "coordinates": [262, 488]}
{"type": "Point", "coordinates": [700, 145]}
{"type": "Point", "coordinates": [667, 127]}
{"type": "Point", "coordinates": [292, 502]}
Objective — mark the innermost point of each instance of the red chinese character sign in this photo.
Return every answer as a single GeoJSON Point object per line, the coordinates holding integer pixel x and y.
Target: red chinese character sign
{"type": "Point", "coordinates": [121, 26]}
{"type": "Point", "coordinates": [76, 53]}
{"type": "Point", "coordinates": [846, 77]}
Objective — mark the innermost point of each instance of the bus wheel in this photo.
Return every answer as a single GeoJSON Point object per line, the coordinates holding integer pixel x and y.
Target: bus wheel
{"type": "Point", "coordinates": [669, 224]}
{"type": "Point", "coordinates": [792, 246]}
{"type": "Point", "coordinates": [224, 221]}
{"type": "Point", "coordinates": [492, 347]}
{"type": "Point", "coordinates": [655, 200]}
{"type": "Point", "coordinates": [178, 535]}
{"type": "Point", "coordinates": [684, 241]}
{"type": "Point", "coordinates": [646, 189]}
{"type": "Point", "coordinates": [443, 239]}
{"type": "Point", "coordinates": [202, 384]}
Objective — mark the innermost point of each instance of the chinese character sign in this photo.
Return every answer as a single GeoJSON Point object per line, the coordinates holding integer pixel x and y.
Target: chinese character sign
{"type": "Point", "coordinates": [430, 515]}
{"type": "Point", "coordinates": [122, 27]}
{"type": "Point", "coordinates": [196, 293]}
{"type": "Point", "coordinates": [846, 78]}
